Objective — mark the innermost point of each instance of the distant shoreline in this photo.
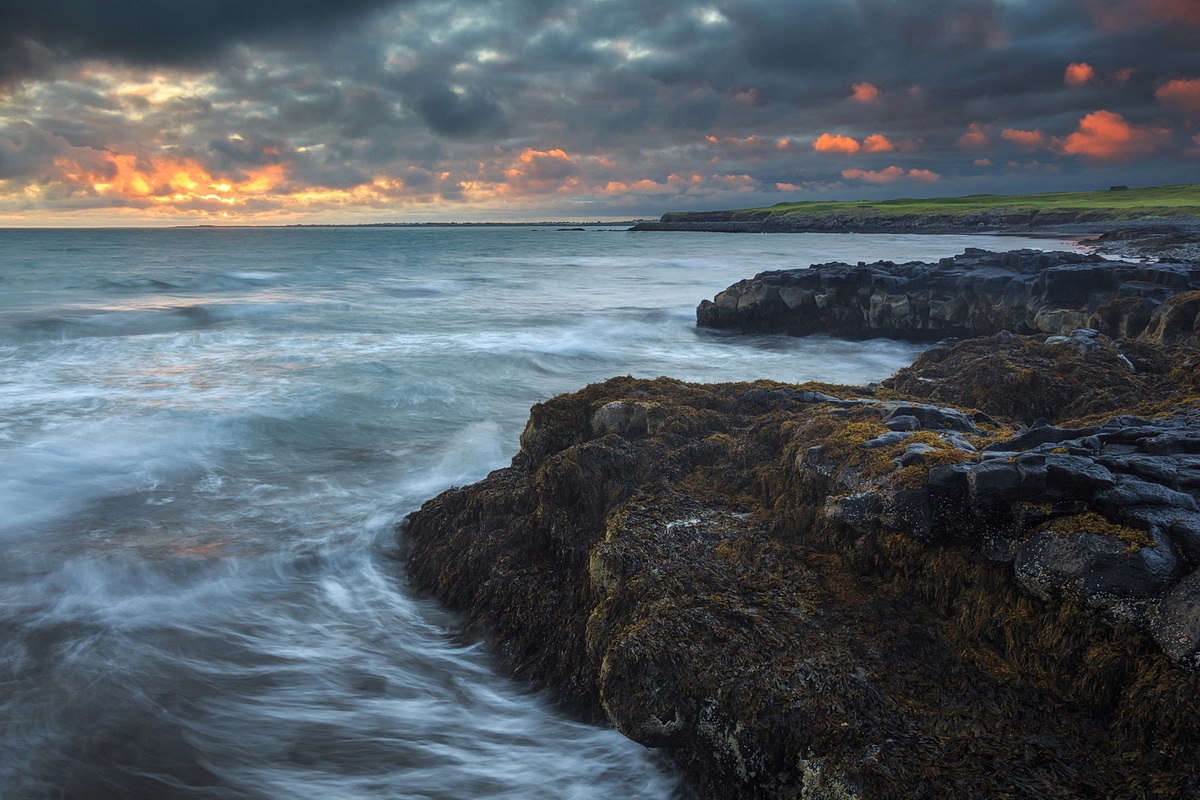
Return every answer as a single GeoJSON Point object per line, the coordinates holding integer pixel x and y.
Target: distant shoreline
{"type": "Point", "coordinates": [543, 224]}
{"type": "Point", "coordinates": [1156, 209]}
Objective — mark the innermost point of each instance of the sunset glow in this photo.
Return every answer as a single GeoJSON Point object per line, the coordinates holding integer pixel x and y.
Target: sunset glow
{"type": "Point", "coordinates": [1079, 73]}
{"type": "Point", "coordinates": [444, 110]}
{"type": "Point", "coordinates": [1181, 93]}
{"type": "Point", "coordinates": [1106, 136]}
{"type": "Point", "coordinates": [865, 93]}
{"type": "Point", "coordinates": [836, 143]}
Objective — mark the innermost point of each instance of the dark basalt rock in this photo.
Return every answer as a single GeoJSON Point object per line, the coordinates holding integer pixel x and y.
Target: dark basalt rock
{"type": "Point", "coordinates": [1093, 566]}
{"type": "Point", "coordinates": [1177, 624]}
{"type": "Point", "coordinates": [976, 293]}
{"type": "Point", "coordinates": [798, 601]}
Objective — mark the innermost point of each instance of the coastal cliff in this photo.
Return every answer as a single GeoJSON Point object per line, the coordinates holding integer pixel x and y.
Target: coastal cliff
{"type": "Point", "coordinates": [763, 221]}
{"type": "Point", "coordinates": [1154, 211]}
{"type": "Point", "coordinates": [981, 579]}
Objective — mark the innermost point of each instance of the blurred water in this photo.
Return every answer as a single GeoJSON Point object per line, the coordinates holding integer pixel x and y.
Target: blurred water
{"type": "Point", "coordinates": [207, 437]}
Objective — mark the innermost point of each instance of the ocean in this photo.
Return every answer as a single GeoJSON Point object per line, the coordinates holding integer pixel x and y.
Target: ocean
{"type": "Point", "coordinates": [208, 437]}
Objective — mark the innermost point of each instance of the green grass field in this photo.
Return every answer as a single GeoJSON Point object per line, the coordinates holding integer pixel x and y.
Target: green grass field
{"type": "Point", "coordinates": [1109, 204]}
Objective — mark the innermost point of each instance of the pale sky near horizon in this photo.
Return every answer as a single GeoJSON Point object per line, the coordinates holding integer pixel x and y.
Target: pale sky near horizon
{"type": "Point", "coordinates": [179, 112]}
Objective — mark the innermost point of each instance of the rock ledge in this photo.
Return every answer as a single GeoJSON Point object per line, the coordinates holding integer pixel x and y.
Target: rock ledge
{"type": "Point", "coordinates": [976, 293]}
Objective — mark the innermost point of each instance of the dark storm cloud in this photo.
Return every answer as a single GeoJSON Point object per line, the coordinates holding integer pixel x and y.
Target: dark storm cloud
{"type": "Point", "coordinates": [256, 151]}
{"type": "Point", "coordinates": [448, 96]}
{"type": "Point", "coordinates": [23, 148]}
{"type": "Point", "coordinates": [158, 32]}
{"type": "Point", "coordinates": [457, 114]}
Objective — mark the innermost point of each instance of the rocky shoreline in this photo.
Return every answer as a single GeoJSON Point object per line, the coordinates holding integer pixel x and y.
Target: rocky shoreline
{"type": "Point", "coordinates": [977, 293]}
{"type": "Point", "coordinates": [981, 578]}
{"type": "Point", "coordinates": [1064, 223]}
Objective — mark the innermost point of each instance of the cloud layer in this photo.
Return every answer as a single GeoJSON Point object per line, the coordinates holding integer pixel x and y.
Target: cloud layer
{"type": "Point", "coordinates": [266, 110]}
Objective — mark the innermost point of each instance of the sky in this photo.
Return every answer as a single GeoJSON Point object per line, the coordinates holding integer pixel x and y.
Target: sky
{"type": "Point", "coordinates": [180, 112]}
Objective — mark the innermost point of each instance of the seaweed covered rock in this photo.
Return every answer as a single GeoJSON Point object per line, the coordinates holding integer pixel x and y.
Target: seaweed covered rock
{"type": "Point", "coordinates": [1052, 378]}
{"type": "Point", "coordinates": [976, 293]}
{"type": "Point", "coordinates": [808, 591]}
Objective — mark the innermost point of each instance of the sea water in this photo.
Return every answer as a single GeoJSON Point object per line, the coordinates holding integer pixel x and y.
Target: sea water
{"type": "Point", "coordinates": [208, 437]}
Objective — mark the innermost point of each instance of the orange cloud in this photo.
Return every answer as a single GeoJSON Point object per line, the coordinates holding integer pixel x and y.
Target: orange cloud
{"type": "Point", "coordinates": [1030, 140]}
{"type": "Point", "coordinates": [975, 137]}
{"type": "Point", "coordinates": [983, 162]}
{"type": "Point", "coordinates": [864, 92]}
{"type": "Point", "coordinates": [743, 183]}
{"type": "Point", "coordinates": [165, 181]}
{"type": "Point", "coordinates": [674, 184]}
{"type": "Point", "coordinates": [1078, 73]}
{"type": "Point", "coordinates": [836, 143]}
{"type": "Point", "coordinates": [877, 143]}
{"type": "Point", "coordinates": [1194, 151]}
{"type": "Point", "coordinates": [1105, 136]}
{"type": "Point", "coordinates": [542, 171]}
{"type": "Point", "coordinates": [1182, 93]}
{"type": "Point", "coordinates": [891, 175]}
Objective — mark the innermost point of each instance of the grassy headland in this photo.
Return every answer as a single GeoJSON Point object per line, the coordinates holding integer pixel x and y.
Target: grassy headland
{"type": "Point", "coordinates": [1115, 203]}
{"type": "Point", "coordinates": [979, 211]}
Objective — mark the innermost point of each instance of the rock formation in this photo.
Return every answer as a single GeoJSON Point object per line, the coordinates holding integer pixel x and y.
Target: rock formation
{"type": "Point", "coordinates": [974, 294]}
{"type": "Point", "coordinates": [832, 592]}
{"type": "Point", "coordinates": [980, 579]}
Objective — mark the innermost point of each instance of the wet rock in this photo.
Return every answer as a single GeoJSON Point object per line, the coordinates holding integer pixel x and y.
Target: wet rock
{"type": "Point", "coordinates": [915, 454]}
{"type": "Point", "coordinates": [1131, 491]}
{"type": "Point", "coordinates": [931, 417]}
{"type": "Point", "coordinates": [1180, 525]}
{"type": "Point", "coordinates": [621, 418]}
{"type": "Point", "coordinates": [1092, 566]}
{"type": "Point", "coordinates": [1077, 475]}
{"type": "Point", "coordinates": [886, 439]}
{"type": "Point", "coordinates": [903, 422]}
{"type": "Point", "coordinates": [993, 482]}
{"type": "Point", "coordinates": [1171, 443]}
{"type": "Point", "coordinates": [1177, 625]}
{"type": "Point", "coordinates": [1176, 320]}
{"type": "Point", "coordinates": [1083, 341]}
